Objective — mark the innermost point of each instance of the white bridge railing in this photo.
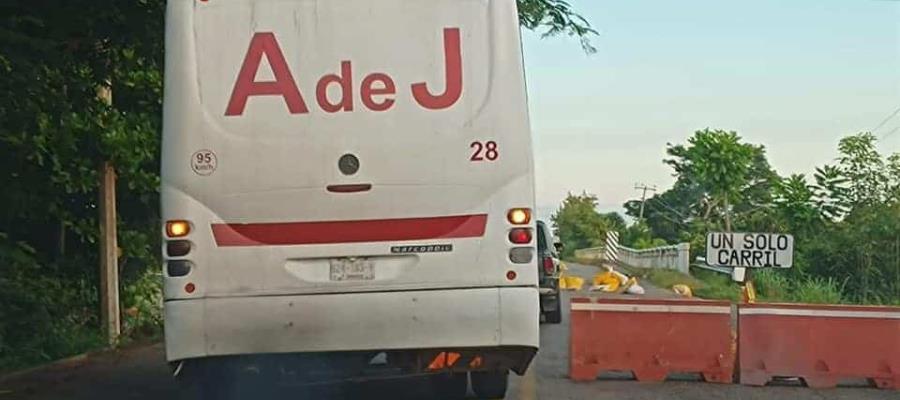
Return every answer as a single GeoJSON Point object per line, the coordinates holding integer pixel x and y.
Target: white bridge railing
{"type": "Point", "coordinates": [675, 257]}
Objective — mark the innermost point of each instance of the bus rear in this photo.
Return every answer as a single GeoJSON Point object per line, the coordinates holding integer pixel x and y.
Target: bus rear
{"type": "Point", "coordinates": [350, 179]}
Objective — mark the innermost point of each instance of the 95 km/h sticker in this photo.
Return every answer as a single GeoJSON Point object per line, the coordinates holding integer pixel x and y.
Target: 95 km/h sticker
{"type": "Point", "coordinates": [204, 162]}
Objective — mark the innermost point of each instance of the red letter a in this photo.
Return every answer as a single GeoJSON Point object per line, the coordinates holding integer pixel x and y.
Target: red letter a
{"type": "Point", "coordinates": [453, 71]}
{"type": "Point", "coordinates": [264, 43]}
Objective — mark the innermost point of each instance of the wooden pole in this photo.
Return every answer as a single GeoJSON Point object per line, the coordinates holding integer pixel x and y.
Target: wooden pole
{"type": "Point", "coordinates": [109, 246]}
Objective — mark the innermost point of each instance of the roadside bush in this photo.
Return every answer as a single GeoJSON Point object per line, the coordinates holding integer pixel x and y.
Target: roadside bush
{"type": "Point", "coordinates": [817, 291]}
{"type": "Point", "coordinates": [50, 310]}
{"type": "Point", "coordinates": [44, 314]}
{"type": "Point", "coordinates": [772, 285]}
{"type": "Point", "coordinates": [717, 286]}
{"type": "Point", "coordinates": [142, 305]}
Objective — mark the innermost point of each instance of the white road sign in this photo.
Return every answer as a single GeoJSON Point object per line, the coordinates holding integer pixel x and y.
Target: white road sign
{"type": "Point", "coordinates": [750, 250]}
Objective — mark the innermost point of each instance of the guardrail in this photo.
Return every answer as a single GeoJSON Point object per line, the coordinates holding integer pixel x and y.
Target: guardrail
{"type": "Point", "coordinates": [593, 253]}
{"type": "Point", "coordinates": [675, 257]}
{"type": "Point", "coordinates": [723, 270]}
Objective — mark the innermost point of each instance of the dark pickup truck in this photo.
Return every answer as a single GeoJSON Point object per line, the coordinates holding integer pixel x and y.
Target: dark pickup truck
{"type": "Point", "coordinates": [548, 275]}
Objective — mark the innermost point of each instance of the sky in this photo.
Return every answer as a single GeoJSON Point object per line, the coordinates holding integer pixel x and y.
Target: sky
{"type": "Point", "coordinates": [795, 76]}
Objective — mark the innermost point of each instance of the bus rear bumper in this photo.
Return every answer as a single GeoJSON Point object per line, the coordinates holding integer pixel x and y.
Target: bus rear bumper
{"type": "Point", "coordinates": [380, 321]}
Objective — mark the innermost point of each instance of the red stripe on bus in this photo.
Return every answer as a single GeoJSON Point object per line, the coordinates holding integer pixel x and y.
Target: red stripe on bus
{"type": "Point", "coordinates": [329, 232]}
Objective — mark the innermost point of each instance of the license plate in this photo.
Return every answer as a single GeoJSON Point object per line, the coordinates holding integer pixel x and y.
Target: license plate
{"type": "Point", "coordinates": [352, 269]}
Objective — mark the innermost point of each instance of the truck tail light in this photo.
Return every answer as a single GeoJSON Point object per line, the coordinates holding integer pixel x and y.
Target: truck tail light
{"type": "Point", "coordinates": [520, 235]}
{"type": "Point", "coordinates": [549, 268]}
{"type": "Point", "coordinates": [519, 216]}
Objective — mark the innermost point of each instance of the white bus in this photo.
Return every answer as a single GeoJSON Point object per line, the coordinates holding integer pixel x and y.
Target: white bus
{"type": "Point", "coordinates": [349, 181]}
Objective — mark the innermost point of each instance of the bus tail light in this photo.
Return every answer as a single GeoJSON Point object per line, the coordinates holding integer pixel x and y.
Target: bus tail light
{"type": "Point", "coordinates": [178, 228]}
{"type": "Point", "coordinates": [549, 267]}
{"type": "Point", "coordinates": [520, 235]}
{"type": "Point", "coordinates": [521, 255]}
{"type": "Point", "coordinates": [176, 268]}
{"type": "Point", "coordinates": [519, 216]}
{"type": "Point", "coordinates": [178, 248]}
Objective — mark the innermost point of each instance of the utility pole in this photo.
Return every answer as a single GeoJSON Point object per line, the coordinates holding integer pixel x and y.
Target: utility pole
{"type": "Point", "coordinates": [643, 188]}
{"type": "Point", "coordinates": [109, 246]}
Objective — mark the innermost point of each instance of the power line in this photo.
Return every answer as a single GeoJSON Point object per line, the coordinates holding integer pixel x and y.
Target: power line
{"type": "Point", "coordinates": [667, 217]}
{"type": "Point", "coordinates": [668, 206]}
{"type": "Point", "coordinates": [891, 132]}
{"type": "Point", "coordinates": [889, 117]}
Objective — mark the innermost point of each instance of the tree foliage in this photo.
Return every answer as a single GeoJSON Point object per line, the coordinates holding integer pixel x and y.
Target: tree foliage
{"type": "Point", "coordinates": [555, 17]}
{"type": "Point", "coordinates": [580, 226]}
{"type": "Point", "coordinates": [56, 133]}
{"type": "Point", "coordinates": [846, 221]}
{"type": "Point", "coordinates": [731, 175]}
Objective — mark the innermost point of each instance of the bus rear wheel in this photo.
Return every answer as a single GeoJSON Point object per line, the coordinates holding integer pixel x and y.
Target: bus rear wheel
{"type": "Point", "coordinates": [490, 384]}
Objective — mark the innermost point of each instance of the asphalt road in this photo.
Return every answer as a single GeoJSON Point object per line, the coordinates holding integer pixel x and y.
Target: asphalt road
{"type": "Point", "coordinates": [139, 372]}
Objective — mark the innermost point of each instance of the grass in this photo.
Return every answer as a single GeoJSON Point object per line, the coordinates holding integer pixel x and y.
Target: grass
{"type": "Point", "coordinates": [64, 341]}
{"type": "Point", "coordinates": [717, 286]}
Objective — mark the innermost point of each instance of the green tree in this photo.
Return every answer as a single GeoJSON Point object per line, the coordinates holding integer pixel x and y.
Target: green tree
{"type": "Point", "coordinates": [728, 174]}
{"type": "Point", "coordinates": [796, 205]}
{"type": "Point", "coordinates": [555, 17]}
{"type": "Point", "coordinates": [893, 173]}
{"type": "Point", "coordinates": [865, 171]}
{"type": "Point", "coordinates": [639, 236]}
{"type": "Point", "coordinates": [832, 196]}
{"type": "Point", "coordinates": [614, 221]}
{"type": "Point", "coordinates": [578, 224]}
{"type": "Point", "coordinates": [54, 136]}
{"type": "Point", "coordinates": [668, 214]}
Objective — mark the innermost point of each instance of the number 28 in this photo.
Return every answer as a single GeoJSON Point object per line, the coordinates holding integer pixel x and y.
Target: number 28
{"type": "Point", "coordinates": [484, 151]}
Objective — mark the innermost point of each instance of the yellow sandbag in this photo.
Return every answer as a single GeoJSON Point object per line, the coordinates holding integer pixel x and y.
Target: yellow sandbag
{"type": "Point", "coordinates": [623, 279]}
{"type": "Point", "coordinates": [683, 290]}
{"type": "Point", "coordinates": [606, 281]}
{"type": "Point", "coordinates": [571, 282]}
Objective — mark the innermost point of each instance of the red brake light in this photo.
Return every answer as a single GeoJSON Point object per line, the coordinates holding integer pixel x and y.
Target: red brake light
{"type": "Point", "coordinates": [549, 268]}
{"type": "Point", "coordinates": [520, 236]}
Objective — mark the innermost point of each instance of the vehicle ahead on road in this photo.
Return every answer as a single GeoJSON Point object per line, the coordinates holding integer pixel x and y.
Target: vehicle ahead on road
{"type": "Point", "coordinates": [345, 184]}
{"type": "Point", "coordinates": [548, 274]}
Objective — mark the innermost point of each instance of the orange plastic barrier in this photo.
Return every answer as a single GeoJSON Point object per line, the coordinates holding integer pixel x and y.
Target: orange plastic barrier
{"type": "Point", "coordinates": [651, 338]}
{"type": "Point", "coordinates": [820, 344]}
